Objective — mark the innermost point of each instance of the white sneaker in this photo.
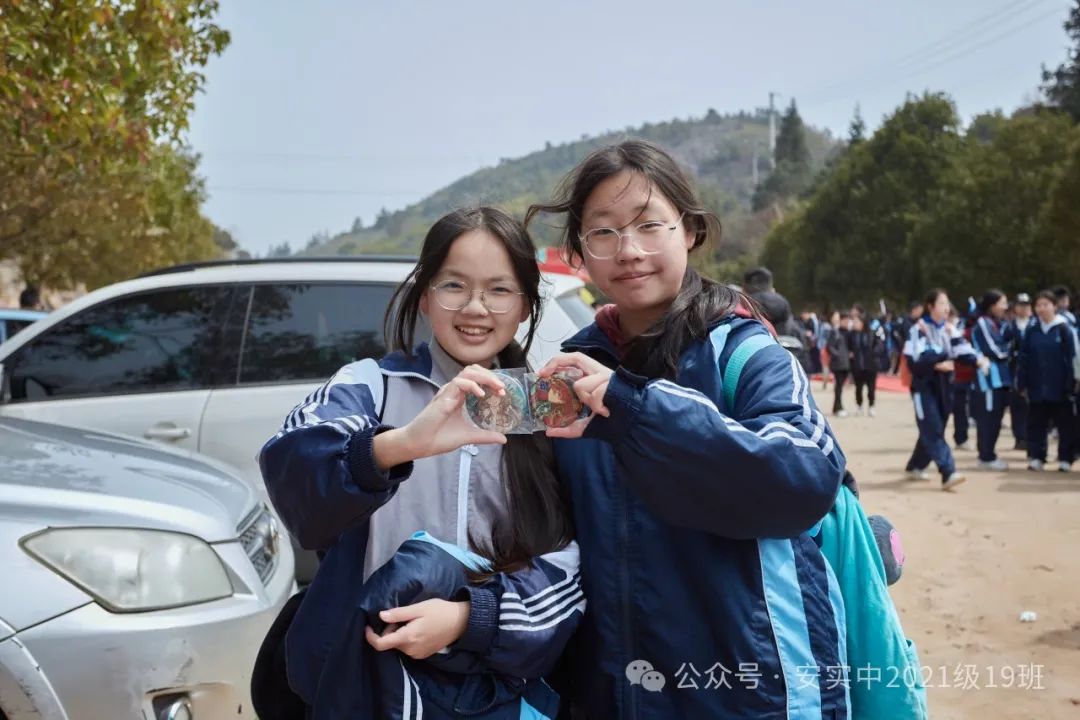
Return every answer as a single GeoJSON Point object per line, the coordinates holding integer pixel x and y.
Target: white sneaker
{"type": "Point", "coordinates": [1064, 466]}
{"type": "Point", "coordinates": [859, 411]}
{"type": "Point", "coordinates": [1036, 465]}
{"type": "Point", "coordinates": [841, 413]}
{"type": "Point", "coordinates": [964, 446]}
{"type": "Point", "coordinates": [952, 481]}
{"type": "Point", "coordinates": [998, 465]}
{"type": "Point", "coordinates": [917, 475]}
{"type": "Point", "coordinates": [871, 412]}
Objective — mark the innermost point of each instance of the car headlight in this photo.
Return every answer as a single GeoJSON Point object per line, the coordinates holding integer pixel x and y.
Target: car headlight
{"type": "Point", "coordinates": [130, 570]}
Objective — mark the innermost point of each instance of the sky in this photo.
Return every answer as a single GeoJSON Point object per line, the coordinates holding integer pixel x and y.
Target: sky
{"type": "Point", "coordinates": [324, 111]}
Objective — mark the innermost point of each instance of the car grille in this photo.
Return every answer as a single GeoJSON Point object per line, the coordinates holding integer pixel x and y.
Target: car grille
{"type": "Point", "coordinates": [261, 537]}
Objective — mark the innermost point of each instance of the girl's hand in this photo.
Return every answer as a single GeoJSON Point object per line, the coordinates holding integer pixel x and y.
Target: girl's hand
{"type": "Point", "coordinates": [590, 389]}
{"type": "Point", "coordinates": [441, 426]}
{"type": "Point", "coordinates": [423, 629]}
{"type": "Point", "coordinates": [945, 366]}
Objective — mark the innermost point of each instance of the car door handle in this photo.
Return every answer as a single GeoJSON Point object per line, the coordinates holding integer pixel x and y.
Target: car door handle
{"type": "Point", "coordinates": [167, 432]}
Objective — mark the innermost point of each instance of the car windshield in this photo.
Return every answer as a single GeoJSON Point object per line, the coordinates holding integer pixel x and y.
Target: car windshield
{"type": "Point", "coordinates": [579, 311]}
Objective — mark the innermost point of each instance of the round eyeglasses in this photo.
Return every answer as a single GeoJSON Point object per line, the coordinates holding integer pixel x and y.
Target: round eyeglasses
{"type": "Point", "coordinates": [604, 243]}
{"type": "Point", "coordinates": [455, 295]}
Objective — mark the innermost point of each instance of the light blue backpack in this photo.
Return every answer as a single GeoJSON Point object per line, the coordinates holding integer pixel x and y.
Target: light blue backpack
{"type": "Point", "coordinates": [889, 685]}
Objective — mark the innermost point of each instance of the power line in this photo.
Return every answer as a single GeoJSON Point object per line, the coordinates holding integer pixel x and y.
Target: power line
{"type": "Point", "coordinates": [1002, 14]}
{"type": "Point", "coordinates": [968, 51]}
{"type": "Point", "coordinates": [973, 32]}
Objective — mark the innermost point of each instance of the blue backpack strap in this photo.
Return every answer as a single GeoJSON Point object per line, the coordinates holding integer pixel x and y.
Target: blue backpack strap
{"type": "Point", "coordinates": [729, 378]}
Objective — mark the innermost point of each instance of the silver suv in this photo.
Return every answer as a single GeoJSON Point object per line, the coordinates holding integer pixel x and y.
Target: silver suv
{"type": "Point", "coordinates": [211, 357]}
{"type": "Point", "coordinates": [138, 581]}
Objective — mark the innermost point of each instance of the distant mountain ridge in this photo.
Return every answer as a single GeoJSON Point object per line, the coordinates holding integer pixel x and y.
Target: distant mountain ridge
{"type": "Point", "coordinates": [717, 150]}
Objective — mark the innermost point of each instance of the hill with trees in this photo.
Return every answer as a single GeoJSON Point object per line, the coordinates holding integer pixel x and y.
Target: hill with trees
{"type": "Point", "coordinates": [718, 151]}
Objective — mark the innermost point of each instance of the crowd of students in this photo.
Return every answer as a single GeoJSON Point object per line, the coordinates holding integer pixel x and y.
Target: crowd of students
{"type": "Point", "coordinates": [996, 356]}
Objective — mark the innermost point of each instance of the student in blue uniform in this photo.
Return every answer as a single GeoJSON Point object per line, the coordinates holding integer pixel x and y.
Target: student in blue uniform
{"type": "Point", "coordinates": [1046, 374]}
{"type": "Point", "coordinates": [933, 349]}
{"type": "Point", "coordinates": [1019, 323]}
{"type": "Point", "coordinates": [484, 600]}
{"type": "Point", "coordinates": [992, 339]}
{"type": "Point", "coordinates": [693, 498]}
{"type": "Point", "coordinates": [1063, 301]}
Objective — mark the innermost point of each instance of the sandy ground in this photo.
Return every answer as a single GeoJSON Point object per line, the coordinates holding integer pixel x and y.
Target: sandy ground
{"type": "Point", "coordinates": [1003, 543]}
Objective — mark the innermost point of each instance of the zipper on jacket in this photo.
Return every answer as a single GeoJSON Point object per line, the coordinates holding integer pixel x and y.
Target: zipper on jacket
{"type": "Point", "coordinates": [467, 453]}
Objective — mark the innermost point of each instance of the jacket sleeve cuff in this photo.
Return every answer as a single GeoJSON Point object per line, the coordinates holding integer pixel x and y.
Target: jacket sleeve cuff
{"type": "Point", "coordinates": [361, 460]}
{"type": "Point", "coordinates": [483, 619]}
{"type": "Point", "coordinates": [623, 400]}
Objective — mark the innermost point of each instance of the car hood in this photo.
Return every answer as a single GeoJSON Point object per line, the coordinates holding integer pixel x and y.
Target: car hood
{"type": "Point", "coordinates": [53, 475]}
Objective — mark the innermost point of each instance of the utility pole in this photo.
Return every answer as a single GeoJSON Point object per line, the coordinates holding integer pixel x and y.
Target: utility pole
{"type": "Point", "coordinates": [772, 130]}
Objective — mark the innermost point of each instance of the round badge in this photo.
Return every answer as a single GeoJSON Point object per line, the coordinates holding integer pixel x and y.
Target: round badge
{"type": "Point", "coordinates": [501, 413]}
{"type": "Point", "coordinates": [554, 401]}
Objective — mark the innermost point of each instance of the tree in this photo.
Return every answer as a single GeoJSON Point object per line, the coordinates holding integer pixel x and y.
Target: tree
{"type": "Point", "coordinates": [851, 240]}
{"type": "Point", "coordinates": [793, 173]}
{"type": "Point", "coordinates": [148, 219]}
{"type": "Point", "coordinates": [357, 225]}
{"type": "Point", "coordinates": [224, 240]}
{"type": "Point", "coordinates": [857, 129]}
{"type": "Point", "coordinates": [94, 99]}
{"type": "Point", "coordinates": [980, 229]}
{"type": "Point", "coordinates": [1062, 85]}
{"type": "Point", "coordinates": [1058, 233]}
{"type": "Point", "coordinates": [277, 251]}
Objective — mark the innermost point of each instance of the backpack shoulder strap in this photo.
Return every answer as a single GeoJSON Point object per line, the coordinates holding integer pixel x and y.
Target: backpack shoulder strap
{"type": "Point", "coordinates": [729, 379]}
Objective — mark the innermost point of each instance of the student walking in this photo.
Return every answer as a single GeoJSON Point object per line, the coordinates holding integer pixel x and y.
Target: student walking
{"type": "Point", "coordinates": [933, 349]}
{"type": "Point", "coordinates": [866, 347]}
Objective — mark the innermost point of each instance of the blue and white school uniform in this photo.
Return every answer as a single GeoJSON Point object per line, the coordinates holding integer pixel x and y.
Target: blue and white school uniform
{"type": "Point", "coordinates": [993, 340]}
{"type": "Point", "coordinates": [928, 344]}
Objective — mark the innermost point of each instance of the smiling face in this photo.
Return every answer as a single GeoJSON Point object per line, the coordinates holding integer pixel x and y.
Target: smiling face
{"type": "Point", "coordinates": [641, 285]}
{"type": "Point", "coordinates": [477, 261]}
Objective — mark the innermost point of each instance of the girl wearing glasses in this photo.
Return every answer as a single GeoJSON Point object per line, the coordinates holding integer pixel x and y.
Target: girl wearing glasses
{"type": "Point", "coordinates": [698, 477]}
{"type": "Point", "coordinates": [383, 450]}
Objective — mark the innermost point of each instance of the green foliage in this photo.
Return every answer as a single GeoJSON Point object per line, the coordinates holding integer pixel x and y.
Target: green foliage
{"type": "Point", "coordinates": [981, 228]}
{"type": "Point", "coordinates": [147, 218]}
{"type": "Point", "coordinates": [1062, 85]}
{"type": "Point", "coordinates": [794, 172]}
{"type": "Point", "coordinates": [857, 129]}
{"type": "Point", "coordinates": [920, 204]}
{"type": "Point", "coordinates": [851, 241]}
{"type": "Point", "coordinates": [1058, 232]}
{"type": "Point", "coordinates": [94, 98]}
{"type": "Point", "coordinates": [717, 151]}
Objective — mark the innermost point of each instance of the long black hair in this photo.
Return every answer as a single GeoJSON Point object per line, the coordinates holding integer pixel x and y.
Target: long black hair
{"type": "Point", "coordinates": [539, 519]}
{"type": "Point", "coordinates": [700, 302]}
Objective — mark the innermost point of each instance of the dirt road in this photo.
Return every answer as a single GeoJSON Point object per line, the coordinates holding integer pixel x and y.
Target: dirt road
{"type": "Point", "coordinates": [1002, 544]}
